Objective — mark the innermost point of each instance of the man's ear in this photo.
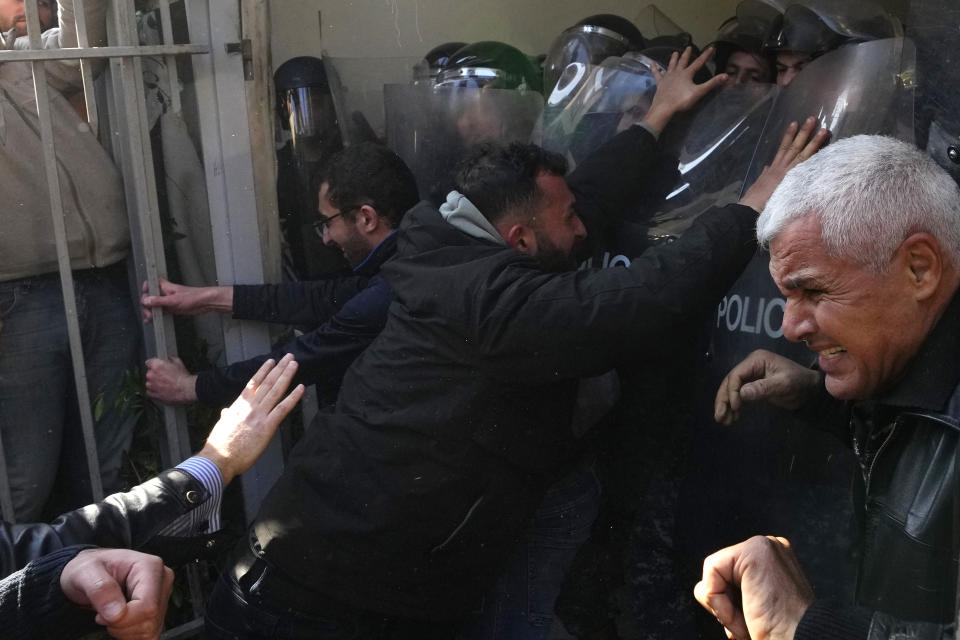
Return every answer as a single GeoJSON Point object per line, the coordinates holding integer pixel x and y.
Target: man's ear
{"type": "Point", "coordinates": [921, 260]}
{"type": "Point", "coordinates": [367, 219]}
{"type": "Point", "coordinates": [520, 237]}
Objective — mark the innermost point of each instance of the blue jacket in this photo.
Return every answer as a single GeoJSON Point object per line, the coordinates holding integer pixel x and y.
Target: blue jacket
{"type": "Point", "coordinates": [347, 311]}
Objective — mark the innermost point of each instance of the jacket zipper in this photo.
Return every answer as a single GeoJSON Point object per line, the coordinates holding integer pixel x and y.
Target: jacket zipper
{"type": "Point", "coordinates": [460, 526]}
{"type": "Point", "coordinates": [873, 462]}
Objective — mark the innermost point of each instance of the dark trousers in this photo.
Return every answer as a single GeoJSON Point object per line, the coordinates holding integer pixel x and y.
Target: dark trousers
{"type": "Point", "coordinates": [251, 601]}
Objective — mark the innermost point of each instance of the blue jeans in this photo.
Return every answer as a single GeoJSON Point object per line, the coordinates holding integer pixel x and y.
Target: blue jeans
{"type": "Point", "coordinates": [520, 606]}
{"type": "Point", "coordinates": [38, 406]}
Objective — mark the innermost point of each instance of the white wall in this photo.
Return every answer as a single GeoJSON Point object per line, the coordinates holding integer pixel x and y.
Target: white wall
{"type": "Point", "coordinates": [410, 28]}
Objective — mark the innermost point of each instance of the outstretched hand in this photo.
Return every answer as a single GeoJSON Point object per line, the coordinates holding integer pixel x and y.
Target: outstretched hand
{"type": "Point", "coordinates": [676, 89]}
{"type": "Point", "coordinates": [246, 427]}
{"type": "Point", "coordinates": [763, 375]}
{"type": "Point", "coordinates": [797, 145]}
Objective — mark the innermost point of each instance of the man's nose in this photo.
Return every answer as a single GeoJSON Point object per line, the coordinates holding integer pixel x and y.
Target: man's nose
{"type": "Point", "coordinates": [327, 240]}
{"type": "Point", "coordinates": [580, 231]}
{"type": "Point", "coordinates": [798, 321]}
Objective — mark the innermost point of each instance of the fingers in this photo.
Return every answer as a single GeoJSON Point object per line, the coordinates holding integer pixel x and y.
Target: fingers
{"type": "Point", "coordinates": [674, 58]}
{"type": "Point", "coordinates": [276, 383]}
{"type": "Point", "coordinates": [149, 584]}
{"type": "Point", "coordinates": [101, 591]}
{"type": "Point", "coordinates": [717, 590]}
{"type": "Point", "coordinates": [684, 61]}
{"type": "Point", "coordinates": [285, 406]}
{"type": "Point", "coordinates": [701, 59]}
{"type": "Point", "coordinates": [799, 143]}
{"type": "Point", "coordinates": [260, 375]}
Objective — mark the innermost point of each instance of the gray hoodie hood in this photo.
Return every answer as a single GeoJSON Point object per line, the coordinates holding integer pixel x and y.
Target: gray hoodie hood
{"type": "Point", "coordinates": [462, 214]}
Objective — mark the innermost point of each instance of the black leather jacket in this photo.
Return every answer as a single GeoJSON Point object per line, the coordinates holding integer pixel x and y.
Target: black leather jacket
{"type": "Point", "coordinates": [126, 520]}
{"type": "Point", "coordinates": [907, 497]}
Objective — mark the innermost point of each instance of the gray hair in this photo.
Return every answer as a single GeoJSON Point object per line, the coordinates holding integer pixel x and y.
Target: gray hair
{"type": "Point", "coordinates": [869, 193]}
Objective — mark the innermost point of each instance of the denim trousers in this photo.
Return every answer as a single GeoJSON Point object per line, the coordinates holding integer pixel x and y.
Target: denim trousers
{"type": "Point", "coordinates": [520, 605]}
{"type": "Point", "coordinates": [39, 417]}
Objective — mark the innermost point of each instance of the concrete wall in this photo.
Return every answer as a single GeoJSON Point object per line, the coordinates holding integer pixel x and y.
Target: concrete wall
{"type": "Point", "coordinates": [410, 28]}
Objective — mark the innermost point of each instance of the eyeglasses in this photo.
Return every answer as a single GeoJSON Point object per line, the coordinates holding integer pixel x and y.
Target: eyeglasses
{"type": "Point", "coordinates": [322, 220]}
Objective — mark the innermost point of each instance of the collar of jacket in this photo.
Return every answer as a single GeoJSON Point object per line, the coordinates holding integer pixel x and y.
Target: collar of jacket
{"type": "Point", "coordinates": [380, 254]}
{"type": "Point", "coordinates": [931, 377]}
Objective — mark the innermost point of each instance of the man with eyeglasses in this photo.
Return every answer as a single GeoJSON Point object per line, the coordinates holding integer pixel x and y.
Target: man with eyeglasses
{"type": "Point", "coordinates": [364, 191]}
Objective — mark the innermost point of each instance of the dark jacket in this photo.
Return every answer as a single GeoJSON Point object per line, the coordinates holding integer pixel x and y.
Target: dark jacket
{"type": "Point", "coordinates": [345, 313]}
{"type": "Point", "coordinates": [407, 497]}
{"type": "Point", "coordinates": [907, 496]}
{"type": "Point", "coordinates": [32, 604]}
{"type": "Point", "coordinates": [128, 520]}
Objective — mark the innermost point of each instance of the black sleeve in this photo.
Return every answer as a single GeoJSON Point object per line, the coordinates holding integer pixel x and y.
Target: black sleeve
{"type": "Point", "coordinates": [828, 620]}
{"type": "Point", "coordinates": [302, 303]}
{"type": "Point", "coordinates": [323, 355]}
{"type": "Point", "coordinates": [825, 413]}
{"type": "Point", "coordinates": [124, 520]}
{"type": "Point", "coordinates": [610, 182]}
{"type": "Point", "coordinates": [539, 326]}
{"type": "Point", "coordinates": [32, 605]}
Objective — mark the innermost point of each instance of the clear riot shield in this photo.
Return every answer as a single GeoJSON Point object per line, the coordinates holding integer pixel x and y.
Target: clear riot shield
{"type": "Point", "coordinates": [431, 128]}
{"type": "Point", "coordinates": [931, 25]}
{"type": "Point", "coordinates": [357, 88]}
{"type": "Point", "coordinates": [775, 472]}
{"type": "Point", "coordinates": [591, 104]}
{"type": "Point", "coordinates": [862, 88]}
{"type": "Point", "coordinates": [706, 153]}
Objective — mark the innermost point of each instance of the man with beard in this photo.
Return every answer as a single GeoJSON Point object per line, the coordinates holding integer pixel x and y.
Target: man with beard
{"type": "Point", "coordinates": [399, 508]}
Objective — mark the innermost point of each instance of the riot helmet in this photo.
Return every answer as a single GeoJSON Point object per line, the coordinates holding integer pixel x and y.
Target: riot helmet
{"type": "Point", "coordinates": [428, 68]}
{"type": "Point", "coordinates": [303, 96]}
{"type": "Point", "coordinates": [489, 64]}
{"type": "Point", "coordinates": [739, 43]}
{"type": "Point", "coordinates": [590, 41]}
{"type": "Point", "coordinates": [811, 29]}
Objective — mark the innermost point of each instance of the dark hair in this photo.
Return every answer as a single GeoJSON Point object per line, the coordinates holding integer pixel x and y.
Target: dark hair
{"type": "Point", "coordinates": [499, 179]}
{"type": "Point", "coordinates": [369, 173]}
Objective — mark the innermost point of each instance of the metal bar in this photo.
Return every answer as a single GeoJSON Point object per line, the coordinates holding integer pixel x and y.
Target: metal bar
{"type": "Point", "coordinates": [29, 55]}
{"type": "Point", "coordinates": [6, 499]}
{"type": "Point", "coordinates": [166, 24]}
{"type": "Point", "coordinates": [86, 69]}
{"type": "Point", "coordinates": [186, 630]}
{"type": "Point", "coordinates": [145, 223]}
{"type": "Point", "coordinates": [144, 215]}
{"type": "Point", "coordinates": [63, 254]}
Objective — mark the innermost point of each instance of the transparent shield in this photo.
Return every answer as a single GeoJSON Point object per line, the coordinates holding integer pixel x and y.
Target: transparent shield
{"type": "Point", "coordinates": [357, 88]}
{"type": "Point", "coordinates": [431, 128]}
{"type": "Point", "coordinates": [592, 103]}
{"type": "Point", "coordinates": [862, 88]}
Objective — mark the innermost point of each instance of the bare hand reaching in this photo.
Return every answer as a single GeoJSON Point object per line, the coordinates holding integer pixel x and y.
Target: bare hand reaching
{"type": "Point", "coordinates": [763, 375]}
{"type": "Point", "coordinates": [676, 89]}
{"type": "Point", "coordinates": [798, 144]}
{"type": "Point", "coordinates": [246, 427]}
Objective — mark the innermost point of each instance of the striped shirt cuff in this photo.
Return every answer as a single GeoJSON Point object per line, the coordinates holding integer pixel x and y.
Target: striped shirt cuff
{"type": "Point", "coordinates": [205, 518]}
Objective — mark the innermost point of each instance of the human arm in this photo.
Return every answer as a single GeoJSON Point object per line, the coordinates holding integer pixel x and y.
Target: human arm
{"type": "Point", "coordinates": [757, 589]}
{"type": "Point", "coordinates": [764, 376]}
{"type": "Point", "coordinates": [299, 303]}
{"type": "Point", "coordinates": [66, 593]}
{"type": "Point", "coordinates": [135, 518]}
{"type": "Point", "coordinates": [323, 355]}
{"type": "Point", "coordinates": [182, 300]}
{"type": "Point", "coordinates": [610, 182]}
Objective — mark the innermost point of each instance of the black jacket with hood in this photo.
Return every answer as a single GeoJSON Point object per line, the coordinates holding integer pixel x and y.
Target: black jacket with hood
{"type": "Point", "coordinates": [407, 497]}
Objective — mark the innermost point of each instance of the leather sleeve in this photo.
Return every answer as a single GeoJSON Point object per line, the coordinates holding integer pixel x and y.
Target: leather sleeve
{"type": "Point", "coordinates": [828, 620]}
{"type": "Point", "coordinates": [126, 520]}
